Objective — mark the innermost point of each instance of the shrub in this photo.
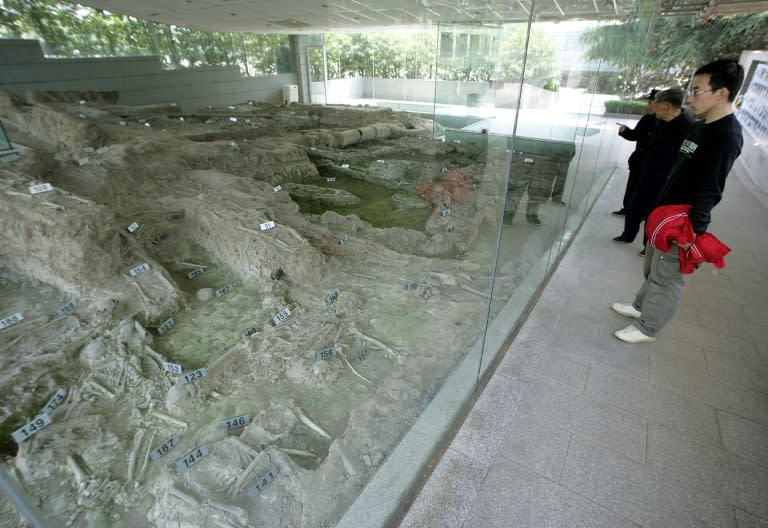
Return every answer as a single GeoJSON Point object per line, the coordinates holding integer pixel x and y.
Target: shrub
{"type": "Point", "coordinates": [626, 106]}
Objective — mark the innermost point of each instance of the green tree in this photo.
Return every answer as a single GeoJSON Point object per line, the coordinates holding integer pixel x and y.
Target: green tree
{"type": "Point", "coordinates": [541, 63]}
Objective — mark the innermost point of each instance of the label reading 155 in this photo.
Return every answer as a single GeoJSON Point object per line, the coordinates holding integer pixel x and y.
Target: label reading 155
{"type": "Point", "coordinates": [163, 449]}
{"type": "Point", "coordinates": [191, 458]}
{"type": "Point", "coordinates": [193, 376]}
{"type": "Point", "coordinates": [32, 428]}
{"type": "Point", "coordinates": [284, 314]}
{"type": "Point", "coordinates": [236, 422]}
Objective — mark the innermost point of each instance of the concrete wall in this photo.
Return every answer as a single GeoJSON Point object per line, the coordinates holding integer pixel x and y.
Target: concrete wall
{"type": "Point", "coordinates": [139, 80]}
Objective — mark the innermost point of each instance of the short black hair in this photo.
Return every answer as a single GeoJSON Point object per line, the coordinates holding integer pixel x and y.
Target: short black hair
{"type": "Point", "coordinates": [724, 73]}
{"type": "Point", "coordinates": [673, 96]}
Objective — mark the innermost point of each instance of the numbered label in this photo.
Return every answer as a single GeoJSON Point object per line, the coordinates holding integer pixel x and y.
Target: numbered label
{"type": "Point", "coordinates": [11, 320]}
{"type": "Point", "coordinates": [221, 292]}
{"type": "Point", "coordinates": [343, 240]}
{"type": "Point", "coordinates": [331, 297]}
{"type": "Point", "coordinates": [163, 449]}
{"type": "Point", "coordinates": [123, 123]}
{"type": "Point", "coordinates": [360, 357]}
{"type": "Point", "coordinates": [345, 165]}
{"type": "Point", "coordinates": [176, 215]}
{"type": "Point", "coordinates": [167, 325]}
{"type": "Point", "coordinates": [446, 212]}
{"type": "Point", "coordinates": [325, 354]}
{"type": "Point", "coordinates": [133, 227]}
{"type": "Point", "coordinates": [43, 187]}
{"type": "Point", "coordinates": [233, 119]}
{"type": "Point", "coordinates": [195, 273]}
{"type": "Point", "coordinates": [195, 375]}
{"type": "Point", "coordinates": [277, 189]}
{"type": "Point", "coordinates": [173, 368]}
{"type": "Point", "coordinates": [249, 332]}
{"type": "Point", "coordinates": [64, 310]}
{"type": "Point", "coordinates": [89, 150]}
{"type": "Point", "coordinates": [268, 225]}
{"type": "Point", "coordinates": [236, 422]}
{"type": "Point", "coordinates": [138, 270]}
{"type": "Point", "coordinates": [263, 481]}
{"type": "Point", "coordinates": [191, 458]}
{"type": "Point", "coordinates": [233, 108]}
{"type": "Point", "coordinates": [55, 401]}
{"type": "Point", "coordinates": [331, 180]}
{"type": "Point", "coordinates": [284, 314]}
{"type": "Point", "coordinates": [32, 428]}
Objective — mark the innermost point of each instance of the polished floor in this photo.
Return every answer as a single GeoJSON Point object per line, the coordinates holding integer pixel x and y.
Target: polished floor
{"type": "Point", "coordinates": [577, 429]}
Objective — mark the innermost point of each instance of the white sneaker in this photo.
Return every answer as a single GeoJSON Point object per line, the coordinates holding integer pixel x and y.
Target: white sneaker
{"type": "Point", "coordinates": [631, 334]}
{"type": "Point", "coordinates": [627, 310]}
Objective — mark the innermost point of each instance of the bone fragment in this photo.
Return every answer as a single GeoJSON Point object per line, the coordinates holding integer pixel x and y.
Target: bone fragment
{"type": "Point", "coordinates": [170, 419]}
{"type": "Point", "coordinates": [373, 341]}
{"type": "Point", "coordinates": [312, 425]}
{"type": "Point", "coordinates": [80, 477]}
{"type": "Point", "coordinates": [185, 497]}
{"type": "Point", "coordinates": [355, 372]}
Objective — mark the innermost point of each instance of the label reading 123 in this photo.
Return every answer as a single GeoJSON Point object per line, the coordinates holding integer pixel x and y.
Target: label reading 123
{"type": "Point", "coordinates": [236, 422]}
{"type": "Point", "coordinates": [66, 308]}
{"type": "Point", "coordinates": [191, 458]}
{"type": "Point", "coordinates": [221, 292]}
{"type": "Point", "coordinates": [267, 225]}
{"type": "Point", "coordinates": [43, 187]}
{"type": "Point", "coordinates": [138, 270]}
{"type": "Point", "coordinates": [193, 376]}
{"type": "Point", "coordinates": [195, 273]}
{"type": "Point", "coordinates": [163, 449]}
{"type": "Point", "coordinates": [11, 320]}
{"type": "Point", "coordinates": [284, 314]}
{"type": "Point", "coordinates": [32, 428]}
{"type": "Point", "coordinates": [55, 401]}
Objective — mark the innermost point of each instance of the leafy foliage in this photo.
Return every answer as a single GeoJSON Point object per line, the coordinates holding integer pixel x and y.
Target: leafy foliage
{"type": "Point", "coordinates": [541, 62]}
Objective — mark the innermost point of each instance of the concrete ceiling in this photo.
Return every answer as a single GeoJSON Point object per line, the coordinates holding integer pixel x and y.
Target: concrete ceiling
{"type": "Point", "coordinates": [318, 16]}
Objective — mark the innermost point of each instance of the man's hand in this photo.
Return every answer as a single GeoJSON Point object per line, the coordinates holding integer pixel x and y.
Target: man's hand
{"type": "Point", "coordinates": [687, 245]}
{"type": "Point", "coordinates": [622, 128]}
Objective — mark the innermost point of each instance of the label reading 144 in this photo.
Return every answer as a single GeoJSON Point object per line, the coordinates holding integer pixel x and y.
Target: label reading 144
{"type": "Point", "coordinates": [191, 458]}
{"type": "Point", "coordinates": [195, 375]}
{"type": "Point", "coordinates": [162, 450]}
{"type": "Point", "coordinates": [32, 428]}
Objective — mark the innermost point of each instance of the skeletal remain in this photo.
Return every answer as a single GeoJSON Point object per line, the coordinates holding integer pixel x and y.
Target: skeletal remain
{"type": "Point", "coordinates": [14, 193]}
{"type": "Point", "coordinates": [141, 293]}
{"type": "Point", "coordinates": [137, 438]}
{"type": "Point", "coordinates": [185, 497]}
{"type": "Point", "coordinates": [145, 461]}
{"type": "Point", "coordinates": [170, 419]}
{"type": "Point", "coordinates": [476, 292]}
{"type": "Point", "coordinates": [190, 264]}
{"type": "Point", "coordinates": [373, 340]}
{"type": "Point", "coordinates": [240, 514]}
{"type": "Point", "coordinates": [81, 478]}
{"type": "Point", "coordinates": [297, 452]}
{"type": "Point", "coordinates": [243, 228]}
{"type": "Point", "coordinates": [101, 388]}
{"type": "Point", "coordinates": [238, 484]}
{"type": "Point", "coordinates": [363, 276]}
{"type": "Point", "coordinates": [245, 447]}
{"type": "Point", "coordinates": [312, 425]}
{"type": "Point", "coordinates": [355, 372]}
{"type": "Point", "coordinates": [348, 467]}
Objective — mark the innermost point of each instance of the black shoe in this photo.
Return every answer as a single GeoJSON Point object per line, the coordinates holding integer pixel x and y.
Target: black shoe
{"type": "Point", "coordinates": [641, 253]}
{"type": "Point", "coordinates": [621, 240]}
{"type": "Point", "coordinates": [533, 219]}
{"type": "Point", "coordinates": [620, 212]}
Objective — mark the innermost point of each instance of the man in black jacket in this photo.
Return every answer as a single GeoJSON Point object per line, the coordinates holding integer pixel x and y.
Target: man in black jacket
{"type": "Point", "coordinates": [642, 134]}
{"type": "Point", "coordinates": [698, 179]}
{"type": "Point", "coordinates": [672, 126]}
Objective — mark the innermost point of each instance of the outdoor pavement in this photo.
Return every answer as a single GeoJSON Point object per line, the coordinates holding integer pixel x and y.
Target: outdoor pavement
{"type": "Point", "coordinates": [578, 429]}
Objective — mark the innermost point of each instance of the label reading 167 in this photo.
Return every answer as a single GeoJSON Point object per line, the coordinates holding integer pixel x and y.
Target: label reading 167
{"type": "Point", "coordinates": [138, 270]}
{"type": "Point", "coordinates": [236, 421]}
{"type": "Point", "coordinates": [11, 320]}
{"type": "Point", "coordinates": [32, 428]}
{"type": "Point", "coordinates": [163, 449]}
{"type": "Point", "coordinates": [191, 458]}
{"type": "Point", "coordinates": [193, 376]}
{"type": "Point", "coordinates": [284, 314]}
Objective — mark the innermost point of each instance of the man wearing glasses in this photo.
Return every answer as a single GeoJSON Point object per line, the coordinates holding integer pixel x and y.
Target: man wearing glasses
{"type": "Point", "coordinates": [704, 160]}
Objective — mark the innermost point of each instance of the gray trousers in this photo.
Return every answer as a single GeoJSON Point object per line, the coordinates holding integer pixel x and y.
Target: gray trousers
{"type": "Point", "coordinates": [660, 294]}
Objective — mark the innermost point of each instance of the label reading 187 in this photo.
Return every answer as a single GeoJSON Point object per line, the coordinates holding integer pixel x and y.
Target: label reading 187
{"type": "Point", "coordinates": [10, 320]}
{"type": "Point", "coordinates": [133, 227]}
{"type": "Point", "coordinates": [32, 428]}
{"type": "Point", "coordinates": [326, 353]}
{"type": "Point", "coordinates": [221, 292]}
{"type": "Point", "coordinates": [163, 449]}
{"type": "Point", "coordinates": [236, 421]}
{"type": "Point", "coordinates": [191, 458]}
{"type": "Point", "coordinates": [267, 225]}
{"type": "Point", "coordinates": [195, 375]}
{"type": "Point", "coordinates": [167, 325]}
{"type": "Point", "coordinates": [263, 481]}
{"type": "Point", "coordinates": [284, 314]}
{"type": "Point", "coordinates": [138, 270]}
{"type": "Point", "coordinates": [55, 401]}
{"type": "Point", "coordinates": [173, 368]}
{"type": "Point", "coordinates": [66, 308]}
{"type": "Point", "coordinates": [43, 187]}
{"type": "Point", "coordinates": [195, 273]}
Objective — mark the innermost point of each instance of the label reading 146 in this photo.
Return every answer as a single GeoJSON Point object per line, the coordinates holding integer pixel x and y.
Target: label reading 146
{"type": "Point", "coordinates": [191, 458]}
{"type": "Point", "coordinates": [195, 375]}
{"type": "Point", "coordinates": [162, 450]}
{"type": "Point", "coordinates": [32, 428]}
{"type": "Point", "coordinates": [236, 422]}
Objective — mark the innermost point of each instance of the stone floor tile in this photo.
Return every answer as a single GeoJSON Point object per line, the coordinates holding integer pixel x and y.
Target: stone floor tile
{"type": "Point", "coordinates": [537, 446]}
{"type": "Point", "coordinates": [744, 437]}
{"type": "Point", "coordinates": [747, 520]}
{"type": "Point", "coordinates": [748, 372]}
{"type": "Point", "coordinates": [563, 370]}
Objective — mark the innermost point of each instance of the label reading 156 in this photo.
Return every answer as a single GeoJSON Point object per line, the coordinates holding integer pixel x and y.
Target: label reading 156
{"type": "Point", "coordinates": [267, 225]}
{"type": "Point", "coordinates": [138, 270]}
{"type": "Point", "coordinates": [43, 187]}
{"type": "Point", "coordinates": [263, 481]}
{"type": "Point", "coordinates": [195, 375]}
{"type": "Point", "coordinates": [173, 368]}
{"type": "Point", "coordinates": [11, 320]}
{"type": "Point", "coordinates": [163, 449]}
{"type": "Point", "coordinates": [221, 292]}
{"type": "Point", "coordinates": [326, 353]}
{"type": "Point", "coordinates": [195, 273]}
{"type": "Point", "coordinates": [236, 422]}
{"type": "Point", "coordinates": [66, 308]}
{"type": "Point", "coordinates": [191, 458]}
{"type": "Point", "coordinates": [32, 428]}
{"type": "Point", "coordinates": [55, 401]}
{"type": "Point", "coordinates": [167, 325]}
{"type": "Point", "coordinates": [284, 314]}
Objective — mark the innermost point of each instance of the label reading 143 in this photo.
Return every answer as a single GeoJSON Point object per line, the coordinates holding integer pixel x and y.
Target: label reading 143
{"type": "Point", "coordinates": [55, 401]}
{"type": "Point", "coordinates": [162, 450]}
{"type": "Point", "coordinates": [191, 458]}
{"type": "Point", "coordinates": [195, 375]}
{"type": "Point", "coordinates": [32, 428]}
{"type": "Point", "coordinates": [138, 270]}
{"type": "Point", "coordinates": [284, 314]}
{"type": "Point", "coordinates": [11, 320]}
{"type": "Point", "coordinates": [236, 421]}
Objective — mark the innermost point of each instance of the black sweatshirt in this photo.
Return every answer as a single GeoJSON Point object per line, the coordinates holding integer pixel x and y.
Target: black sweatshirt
{"type": "Point", "coordinates": [642, 133]}
{"type": "Point", "coordinates": [704, 161]}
